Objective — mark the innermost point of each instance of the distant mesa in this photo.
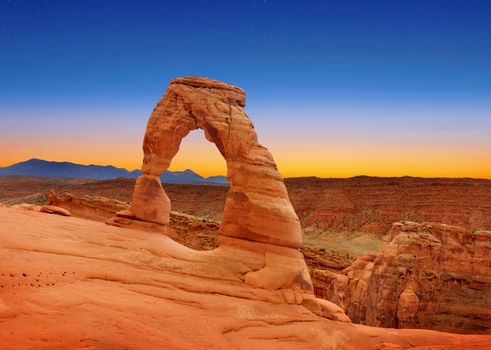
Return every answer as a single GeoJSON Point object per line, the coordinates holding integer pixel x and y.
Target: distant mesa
{"type": "Point", "coordinates": [44, 168]}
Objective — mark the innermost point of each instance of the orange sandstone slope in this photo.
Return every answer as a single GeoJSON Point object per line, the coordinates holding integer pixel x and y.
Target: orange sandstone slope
{"type": "Point", "coordinates": [69, 283]}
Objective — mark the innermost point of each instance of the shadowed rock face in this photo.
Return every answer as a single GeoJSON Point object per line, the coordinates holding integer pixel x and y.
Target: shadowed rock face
{"type": "Point", "coordinates": [428, 276]}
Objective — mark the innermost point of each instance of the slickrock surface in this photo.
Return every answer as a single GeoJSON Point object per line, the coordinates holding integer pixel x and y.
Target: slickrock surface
{"type": "Point", "coordinates": [194, 232]}
{"type": "Point", "coordinates": [429, 275]}
{"type": "Point", "coordinates": [27, 206]}
{"type": "Point", "coordinates": [69, 283]}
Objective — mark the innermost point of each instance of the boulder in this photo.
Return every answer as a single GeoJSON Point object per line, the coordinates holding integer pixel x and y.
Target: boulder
{"type": "Point", "coordinates": [53, 209]}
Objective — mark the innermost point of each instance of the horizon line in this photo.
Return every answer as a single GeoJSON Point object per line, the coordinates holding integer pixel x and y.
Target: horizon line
{"type": "Point", "coordinates": [289, 177]}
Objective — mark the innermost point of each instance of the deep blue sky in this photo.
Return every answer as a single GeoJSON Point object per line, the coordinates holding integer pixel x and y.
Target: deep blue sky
{"type": "Point", "coordinates": [134, 47]}
{"type": "Point", "coordinates": [343, 65]}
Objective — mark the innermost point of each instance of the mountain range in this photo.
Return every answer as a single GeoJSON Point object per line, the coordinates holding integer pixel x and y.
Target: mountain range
{"type": "Point", "coordinates": [44, 168]}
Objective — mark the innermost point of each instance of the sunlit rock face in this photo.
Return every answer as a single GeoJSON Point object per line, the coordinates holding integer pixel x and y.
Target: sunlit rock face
{"type": "Point", "coordinates": [428, 275]}
{"type": "Point", "coordinates": [257, 205]}
{"type": "Point", "coordinates": [71, 283]}
{"type": "Point", "coordinates": [258, 216]}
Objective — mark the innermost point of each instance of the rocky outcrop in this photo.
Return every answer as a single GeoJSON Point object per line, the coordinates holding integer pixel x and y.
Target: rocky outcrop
{"type": "Point", "coordinates": [428, 275]}
{"type": "Point", "coordinates": [258, 216]}
{"type": "Point", "coordinates": [53, 209]}
{"type": "Point", "coordinates": [87, 207]}
{"type": "Point", "coordinates": [69, 283]}
{"type": "Point", "coordinates": [194, 232]}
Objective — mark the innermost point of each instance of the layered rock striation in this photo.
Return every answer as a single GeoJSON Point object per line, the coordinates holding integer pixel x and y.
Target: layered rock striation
{"type": "Point", "coordinates": [429, 275]}
{"type": "Point", "coordinates": [257, 205]}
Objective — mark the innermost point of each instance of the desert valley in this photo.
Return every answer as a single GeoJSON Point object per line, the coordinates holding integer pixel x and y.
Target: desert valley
{"type": "Point", "coordinates": [385, 263]}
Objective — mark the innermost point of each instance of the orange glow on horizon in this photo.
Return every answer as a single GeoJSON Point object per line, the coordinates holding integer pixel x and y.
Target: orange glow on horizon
{"type": "Point", "coordinates": [326, 158]}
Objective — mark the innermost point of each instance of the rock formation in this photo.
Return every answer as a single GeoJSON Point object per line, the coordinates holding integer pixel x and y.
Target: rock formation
{"type": "Point", "coordinates": [69, 283]}
{"type": "Point", "coordinates": [87, 207]}
{"type": "Point", "coordinates": [428, 275]}
{"type": "Point", "coordinates": [372, 204]}
{"type": "Point", "coordinates": [257, 206]}
{"type": "Point", "coordinates": [258, 215]}
{"type": "Point", "coordinates": [192, 231]}
{"type": "Point", "coordinates": [350, 215]}
{"type": "Point", "coordinates": [53, 209]}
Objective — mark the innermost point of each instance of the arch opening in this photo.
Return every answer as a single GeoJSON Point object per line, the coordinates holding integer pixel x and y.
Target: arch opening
{"type": "Point", "coordinates": [198, 154]}
{"type": "Point", "coordinates": [196, 209]}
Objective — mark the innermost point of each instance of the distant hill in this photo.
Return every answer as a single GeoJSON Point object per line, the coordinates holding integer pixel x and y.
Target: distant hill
{"type": "Point", "coordinates": [43, 168]}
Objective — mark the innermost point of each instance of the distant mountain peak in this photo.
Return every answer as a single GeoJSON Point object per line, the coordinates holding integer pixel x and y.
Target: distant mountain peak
{"type": "Point", "coordinates": [44, 168]}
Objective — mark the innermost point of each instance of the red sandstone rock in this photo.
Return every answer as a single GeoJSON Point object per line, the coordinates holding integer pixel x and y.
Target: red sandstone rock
{"type": "Point", "coordinates": [87, 207]}
{"type": "Point", "coordinates": [26, 206]}
{"type": "Point", "coordinates": [69, 283]}
{"type": "Point", "coordinates": [372, 204]}
{"type": "Point", "coordinates": [352, 205]}
{"type": "Point", "coordinates": [258, 216]}
{"type": "Point", "coordinates": [428, 275]}
{"type": "Point", "coordinates": [52, 209]}
{"type": "Point", "coordinates": [257, 206]}
{"type": "Point", "coordinates": [194, 232]}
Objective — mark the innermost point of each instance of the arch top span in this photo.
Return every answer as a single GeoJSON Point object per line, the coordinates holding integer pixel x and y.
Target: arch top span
{"type": "Point", "coordinates": [198, 82]}
{"type": "Point", "coordinates": [257, 207]}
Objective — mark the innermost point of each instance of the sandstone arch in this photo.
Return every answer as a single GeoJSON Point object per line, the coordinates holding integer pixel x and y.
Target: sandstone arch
{"type": "Point", "coordinates": [257, 206]}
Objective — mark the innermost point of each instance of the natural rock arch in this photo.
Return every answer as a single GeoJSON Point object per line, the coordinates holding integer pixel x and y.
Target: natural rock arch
{"type": "Point", "coordinates": [257, 207]}
{"type": "Point", "coordinates": [259, 232]}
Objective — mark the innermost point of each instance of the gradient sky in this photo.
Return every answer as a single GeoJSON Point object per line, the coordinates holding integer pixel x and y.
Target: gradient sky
{"type": "Point", "coordinates": [335, 88]}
